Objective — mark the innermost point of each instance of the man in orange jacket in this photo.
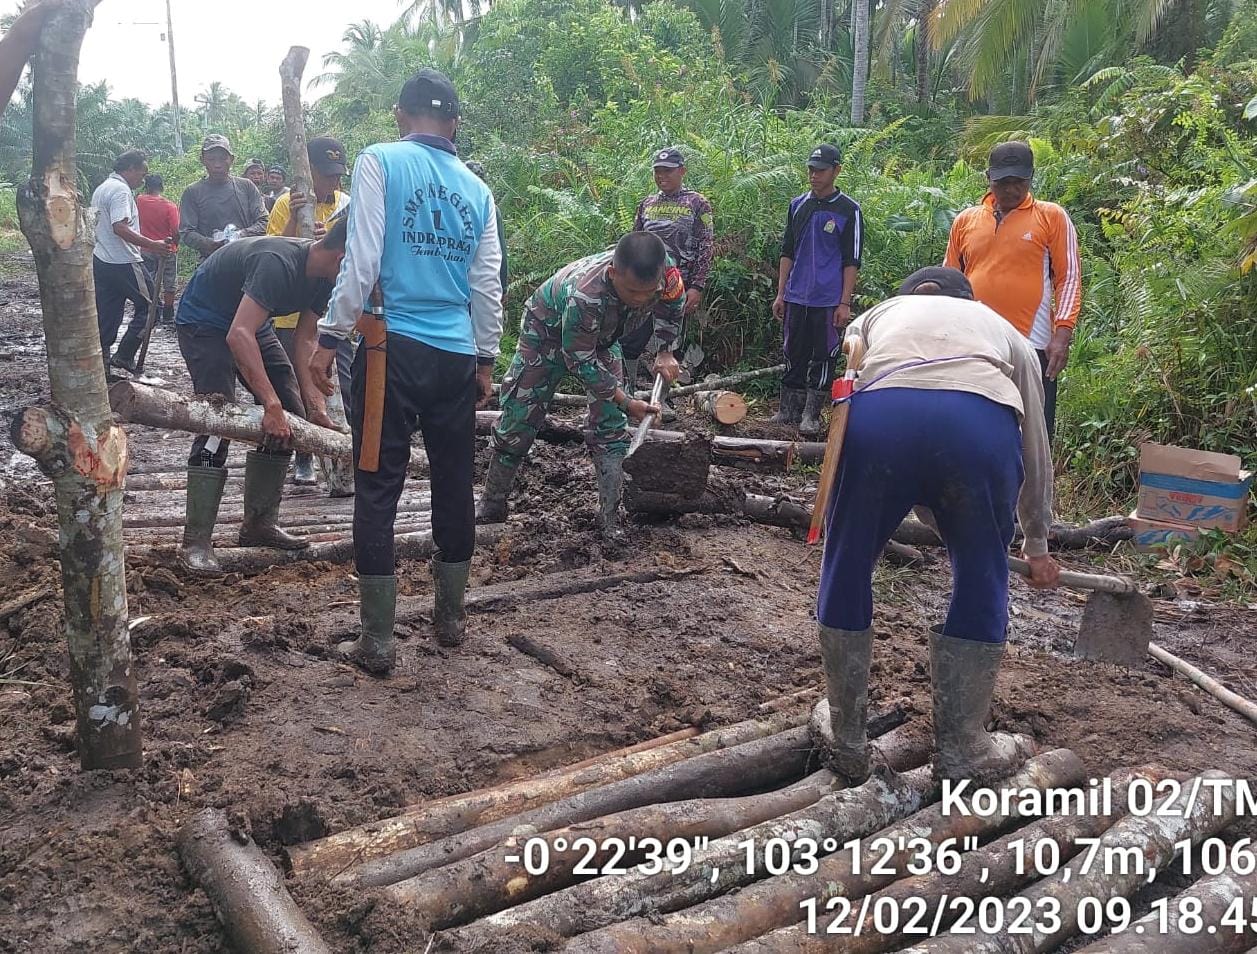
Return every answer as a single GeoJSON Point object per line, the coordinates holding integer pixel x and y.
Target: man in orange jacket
{"type": "Point", "coordinates": [1021, 256]}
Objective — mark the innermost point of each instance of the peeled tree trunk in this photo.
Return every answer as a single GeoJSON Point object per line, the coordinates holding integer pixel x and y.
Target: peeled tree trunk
{"type": "Point", "coordinates": [860, 68]}
{"type": "Point", "coordinates": [74, 440]}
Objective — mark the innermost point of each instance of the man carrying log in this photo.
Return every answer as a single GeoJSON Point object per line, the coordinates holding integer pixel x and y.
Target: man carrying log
{"type": "Point", "coordinates": [423, 234]}
{"type": "Point", "coordinates": [574, 323]}
{"type": "Point", "coordinates": [225, 331]}
{"type": "Point", "coordinates": [948, 415]}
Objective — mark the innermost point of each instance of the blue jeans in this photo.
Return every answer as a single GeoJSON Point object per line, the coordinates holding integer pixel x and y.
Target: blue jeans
{"type": "Point", "coordinates": [958, 454]}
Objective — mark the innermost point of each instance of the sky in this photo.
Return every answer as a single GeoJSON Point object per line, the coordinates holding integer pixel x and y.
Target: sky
{"type": "Point", "coordinates": [240, 43]}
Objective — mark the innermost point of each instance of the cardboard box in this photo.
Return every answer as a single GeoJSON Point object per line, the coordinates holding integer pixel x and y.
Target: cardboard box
{"type": "Point", "coordinates": [1153, 535]}
{"type": "Point", "coordinates": [1194, 488]}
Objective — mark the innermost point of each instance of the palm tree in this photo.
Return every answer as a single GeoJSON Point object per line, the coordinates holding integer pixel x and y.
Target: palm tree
{"type": "Point", "coordinates": [213, 102]}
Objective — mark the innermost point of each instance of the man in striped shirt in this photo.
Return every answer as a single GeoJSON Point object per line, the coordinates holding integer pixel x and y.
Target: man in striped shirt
{"type": "Point", "coordinates": [1021, 256]}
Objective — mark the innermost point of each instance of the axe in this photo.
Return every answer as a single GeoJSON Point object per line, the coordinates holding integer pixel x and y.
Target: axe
{"type": "Point", "coordinates": [842, 390]}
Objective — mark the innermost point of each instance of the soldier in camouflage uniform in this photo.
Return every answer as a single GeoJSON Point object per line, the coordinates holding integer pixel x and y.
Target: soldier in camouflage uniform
{"type": "Point", "coordinates": [573, 324]}
{"type": "Point", "coordinates": [682, 218]}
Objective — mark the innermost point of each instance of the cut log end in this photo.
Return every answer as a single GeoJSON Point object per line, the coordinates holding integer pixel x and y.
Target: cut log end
{"type": "Point", "coordinates": [724, 407]}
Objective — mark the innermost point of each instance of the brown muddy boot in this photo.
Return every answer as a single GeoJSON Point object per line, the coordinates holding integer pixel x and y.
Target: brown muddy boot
{"type": "Point", "coordinates": [205, 493]}
{"type": "Point", "coordinates": [791, 410]}
{"type": "Point", "coordinates": [847, 655]}
{"type": "Point", "coordinates": [449, 588]}
{"type": "Point", "coordinates": [492, 507]}
{"type": "Point", "coordinates": [962, 672]}
{"type": "Point", "coordinates": [263, 487]}
{"type": "Point", "coordinates": [374, 650]}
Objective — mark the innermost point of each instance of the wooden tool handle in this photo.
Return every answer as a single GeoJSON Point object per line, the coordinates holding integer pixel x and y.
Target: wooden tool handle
{"type": "Point", "coordinates": [656, 395]}
{"type": "Point", "coordinates": [1082, 581]}
{"type": "Point", "coordinates": [375, 340]}
{"type": "Point", "coordinates": [854, 350]}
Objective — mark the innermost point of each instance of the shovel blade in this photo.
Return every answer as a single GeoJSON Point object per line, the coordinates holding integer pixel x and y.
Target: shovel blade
{"type": "Point", "coordinates": [1115, 628]}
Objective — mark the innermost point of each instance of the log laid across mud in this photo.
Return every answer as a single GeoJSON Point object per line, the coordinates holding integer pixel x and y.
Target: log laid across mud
{"type": "Point", "coordinates": [246, 890]}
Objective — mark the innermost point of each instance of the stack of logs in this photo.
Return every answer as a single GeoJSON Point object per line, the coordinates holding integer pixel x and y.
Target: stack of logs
{"type": "Point", "coordinates": [645, 850]}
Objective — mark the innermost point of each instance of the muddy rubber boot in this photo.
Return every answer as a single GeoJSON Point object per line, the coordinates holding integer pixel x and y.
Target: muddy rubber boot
{"type": "Point", "coordinates": [610, 471]}
{"type": "Point", "coordinates": [303, 470]}
{"type": "Point", "coordinates": [810, 423]}
{"type": "Point", "coordinates": [449, 586]}
{"type": "Point", "coordinates": [962, 672]}
{"type": "Point", "coordinates": [847, 655]}
{"type": "Point", "coordinates": [791, 407]}
{"type": "Point", "coordinates": [374, 650]}
{"type": "Point", "coordinates": [205, 492]}
{"type": "Point", "coordinates": [263, 486]}
{"type": "Point", "coordinates": [491, 507]}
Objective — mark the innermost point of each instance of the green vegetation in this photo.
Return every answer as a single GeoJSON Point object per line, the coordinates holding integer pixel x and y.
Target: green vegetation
{"type": "Point", "coordinates": [1142, 113]}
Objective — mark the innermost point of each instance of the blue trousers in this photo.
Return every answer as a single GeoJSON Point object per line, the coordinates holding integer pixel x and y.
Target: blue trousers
{"type": "Point", "coordinates": [958, 454]}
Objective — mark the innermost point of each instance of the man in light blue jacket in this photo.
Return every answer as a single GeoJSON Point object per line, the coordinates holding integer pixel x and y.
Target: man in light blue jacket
{"type": "Point", "coordinates": [422, 228]}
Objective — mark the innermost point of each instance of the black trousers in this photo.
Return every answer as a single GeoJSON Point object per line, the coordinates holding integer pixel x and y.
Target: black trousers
{"type": "Point", "coordinates": [115, 286]}
{"type": "Point", "coordinates": [811, 345]}
{"type": "Point", "coordinates": [1049, 395]}
{"type": "Point", "coordinates": [433, 391]}
{"type": "Point", "coordinates": [213, 371]}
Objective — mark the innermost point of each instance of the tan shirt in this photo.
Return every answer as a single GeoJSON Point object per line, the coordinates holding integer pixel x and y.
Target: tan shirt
{"type": "Point", "coordinates": [990, 358]}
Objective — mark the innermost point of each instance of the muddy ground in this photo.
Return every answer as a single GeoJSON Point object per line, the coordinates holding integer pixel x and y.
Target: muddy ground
{"type": "Point", "coordinates": [244, 707]}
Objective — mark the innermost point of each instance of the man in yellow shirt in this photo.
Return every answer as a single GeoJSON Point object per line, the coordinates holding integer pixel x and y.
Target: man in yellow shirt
{"type": "Point", "coordinates": [327, 165]}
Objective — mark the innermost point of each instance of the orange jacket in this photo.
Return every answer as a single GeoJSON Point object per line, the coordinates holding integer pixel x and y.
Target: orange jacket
{"type": "Point", "coordinates": [1017, 266]}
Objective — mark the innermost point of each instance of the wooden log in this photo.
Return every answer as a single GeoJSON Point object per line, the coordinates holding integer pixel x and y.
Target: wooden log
{"type": "Point", "coordinates": [485, 883]}
{"type": "Point", "coordinates": [543, 654]}
{"type": "Point", "coordinates": [409, 546]}
{"type": "Point", "coordinates": [294, 517]}
{"type": "Point", "coordinates": [680, 734]}
{"type": "Point", "coordinates": [1217, 896]}
{"type": "Point", "coordinates": [757, 764]}
{"type": "Point", "coordinates": [723, 407]}
{"type": "Point", "coordinates": [1152, 837]}
{"type": "Point", "coordinates": [775, 902]}
{"type": "Point", "coordinates": [719, 867]}
{"type": "Point", "coordinates": [1003, 866]}
{"type": "Point", "coordinates": [29, 598]}
{"type": "Point", "coordinates": [1231, 700]}
{"type": "Point", "coordinates": [246, 891]}
{"type": "Point", "coordinates": [74, 439]}
{"type": "Point", "coordinates": [1102, 533]}
{"type": "Point", "coordinates": [727, 381]}
{"type": "Point", "coordinates": [552, 431]}
{"type": "Point", "coordinates": [428, 821]}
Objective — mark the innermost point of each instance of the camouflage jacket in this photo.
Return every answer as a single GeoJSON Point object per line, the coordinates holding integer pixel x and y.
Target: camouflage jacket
{"type": "Point", "coordinates": [683, 220]}
{"type": "Point", "coordinates": [578, 307]}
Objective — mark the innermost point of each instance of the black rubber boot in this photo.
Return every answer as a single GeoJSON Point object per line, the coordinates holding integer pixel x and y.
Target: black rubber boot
{"type": "Point", "coordinates": [449, 587]}
{"type": "Point", "coordinates": [374, 650]}
{"type": "Point", "coordinates": [791, 410]}
{"type": "Point", "coordinates": [263, 487]}
{"type": "Point", "coordinates": [610, 471]}
{"type": "Point", "coordinates": [810, 423]}
{"type": "Point", "coordinates": [847, 656]}
{"type": "Point", "coordinates": [492, 506]}
{"type": "Point", "coordinates": [963, 673]}
{"type": "Point", "coordinates": [205, 493]}
{"type": "Point", "coordinates": [303, 470]}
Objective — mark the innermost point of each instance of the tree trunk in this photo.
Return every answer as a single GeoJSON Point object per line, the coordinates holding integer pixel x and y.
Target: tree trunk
{"type": "Point", "coordinates": [427, 821]}
{"type": "Point", "coordinates": [723, 407]}
{"type": "Point", "coordinates": [75, 441]}
{"type": "Point", "coordinates": [860, 68]}
{"type": "Point", "coordinates": [246, 891]}
{"type": "Point", "coordinates": [921, 49]}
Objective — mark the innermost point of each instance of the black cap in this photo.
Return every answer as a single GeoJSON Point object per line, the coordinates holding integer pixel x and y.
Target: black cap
{"type": "Point", "coordinates": [670, 158]}
{"type": "Point", "coordinates": [1011, 160]}
{"type": "Point", "coordinates": [429, 89]}
{"type": "Point", "coordinates": [327, 156]}
{"type": "Point", "coordinates": [950, 281]}
{"type": "Point", "coordinates": [278, 168]}
{"type": "Point", "coordinates": [824, 156]}
{"type": "Point", "coordinates": [253, 163]}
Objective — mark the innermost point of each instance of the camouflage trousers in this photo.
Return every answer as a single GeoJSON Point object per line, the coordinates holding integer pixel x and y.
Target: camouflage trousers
{"type": "Point", "coordinates": [528, 387]}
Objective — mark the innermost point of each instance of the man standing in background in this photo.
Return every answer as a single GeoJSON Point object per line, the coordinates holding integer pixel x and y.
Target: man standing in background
{"type": "Point", "coordinates": [820, 262]}
{"type": "Point", "coordinates": [255, 172]}
{"type": "Point", "coordinates": [159, 221]}
{"type": "Point", "coordinates": [327, 165]}
{"type": "Point", "coordinates": [682, 218]}
{"type": "Point", "coordinates": [1021, 256]}
{"type": "Point", "coordinates": [221, 206]}
{"type": "Point", "coordinates": [276, 185]}
{"type": "Point", "coordinates": [116, 262]}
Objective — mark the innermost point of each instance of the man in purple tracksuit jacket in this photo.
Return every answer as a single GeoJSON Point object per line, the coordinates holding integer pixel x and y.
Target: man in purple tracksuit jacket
{"type": "Point", "coordinates": [820, 262]}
